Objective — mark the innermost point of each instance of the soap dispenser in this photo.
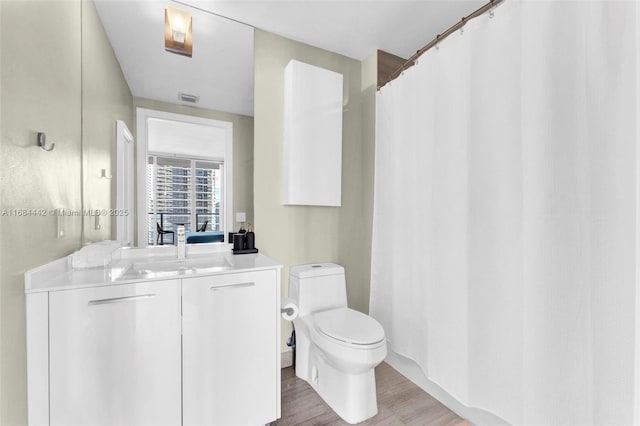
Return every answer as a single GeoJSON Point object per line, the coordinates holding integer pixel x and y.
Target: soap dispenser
{"type": "Point", "coordinates": [250, 239]}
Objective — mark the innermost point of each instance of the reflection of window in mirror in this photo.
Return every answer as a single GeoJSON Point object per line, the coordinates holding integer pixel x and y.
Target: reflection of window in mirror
{"type": "Point", "coordinates": [184, 191]}
{"type": "Point", "coordinates": [185, 176]}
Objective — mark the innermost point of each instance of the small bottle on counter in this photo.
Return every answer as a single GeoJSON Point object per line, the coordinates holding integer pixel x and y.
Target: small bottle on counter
{"type": "Point", "coordinates": [250, 239]}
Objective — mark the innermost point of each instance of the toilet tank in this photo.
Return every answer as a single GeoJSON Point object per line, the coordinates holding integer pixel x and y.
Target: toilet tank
{"type": "Point", "coordinates": [317, 287]}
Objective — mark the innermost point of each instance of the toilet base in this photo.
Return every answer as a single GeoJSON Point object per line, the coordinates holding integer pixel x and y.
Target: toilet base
{"type": "Point", "coordinates": [351, 396]}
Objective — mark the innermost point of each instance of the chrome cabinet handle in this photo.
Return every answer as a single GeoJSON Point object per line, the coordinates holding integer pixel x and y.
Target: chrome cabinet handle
{"type": "Point", "coordinates": [230, 286]}
{"type": "Point", "coordinates": [121, 299]}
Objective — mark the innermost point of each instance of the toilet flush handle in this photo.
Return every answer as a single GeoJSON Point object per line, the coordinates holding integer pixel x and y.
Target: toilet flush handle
{"type": "Point", "coordinates": [288, 311]}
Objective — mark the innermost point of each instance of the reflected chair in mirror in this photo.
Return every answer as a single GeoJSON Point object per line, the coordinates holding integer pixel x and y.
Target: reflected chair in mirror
{"type": "Point", "coordinates": [162, 233]}
{"type": "Point", "coordinates": [204, 226]}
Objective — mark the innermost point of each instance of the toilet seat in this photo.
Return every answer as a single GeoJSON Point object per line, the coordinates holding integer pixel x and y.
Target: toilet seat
{"type": "Point", "coordinates": [348, 326]}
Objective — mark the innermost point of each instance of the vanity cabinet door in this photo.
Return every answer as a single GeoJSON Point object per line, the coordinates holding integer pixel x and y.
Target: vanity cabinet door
{"type": "Point", "coordinates": [115, 355]}
{"type": "Point", "coordinates": [230, 345]}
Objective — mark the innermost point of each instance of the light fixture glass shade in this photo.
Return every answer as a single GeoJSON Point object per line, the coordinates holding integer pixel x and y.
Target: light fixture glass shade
{"type": "Point", "coordinates": [177, 31]}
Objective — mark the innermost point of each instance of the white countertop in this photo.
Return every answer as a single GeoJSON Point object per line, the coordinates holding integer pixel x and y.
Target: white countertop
{"type": "Point", "coordinates": [148, 264]}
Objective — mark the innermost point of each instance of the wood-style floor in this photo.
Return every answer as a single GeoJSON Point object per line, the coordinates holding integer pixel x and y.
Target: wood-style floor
{"type": "Point", "coordinates": [400, 402]}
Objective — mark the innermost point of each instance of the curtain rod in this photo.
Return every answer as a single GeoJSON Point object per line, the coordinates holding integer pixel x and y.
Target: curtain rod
{"type": "Point", "coordinates": [409, 62]}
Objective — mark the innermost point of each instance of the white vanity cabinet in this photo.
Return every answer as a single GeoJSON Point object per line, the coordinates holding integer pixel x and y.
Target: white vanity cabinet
{"type": "Point", "coordinates": [230, 351]}
{"type": "Point", "coordinates": [115, 355]}
{"type": "Point", "coordinates": [177, 348]}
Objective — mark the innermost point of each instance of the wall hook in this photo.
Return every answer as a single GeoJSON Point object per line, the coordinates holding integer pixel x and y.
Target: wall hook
{"type": "Point", "coordinates": [103, 174]}
{"type": "Point", "coordinates": [42, 140]}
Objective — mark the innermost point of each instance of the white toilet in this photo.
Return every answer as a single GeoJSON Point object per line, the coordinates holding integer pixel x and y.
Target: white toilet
{"type": "Point", "coordinates": [337, 348]}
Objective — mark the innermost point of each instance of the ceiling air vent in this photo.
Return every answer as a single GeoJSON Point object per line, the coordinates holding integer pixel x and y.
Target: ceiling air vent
{"type": "Point", "coordinates": [192, 99]}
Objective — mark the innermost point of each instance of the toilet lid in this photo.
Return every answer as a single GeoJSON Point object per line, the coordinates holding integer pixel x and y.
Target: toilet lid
{"type": "Point", "coordinates": [349, 326]}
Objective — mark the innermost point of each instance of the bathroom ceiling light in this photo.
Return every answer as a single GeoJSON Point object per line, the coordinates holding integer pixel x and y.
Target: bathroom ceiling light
{"type": "Point", "coordinates": [177, 31]}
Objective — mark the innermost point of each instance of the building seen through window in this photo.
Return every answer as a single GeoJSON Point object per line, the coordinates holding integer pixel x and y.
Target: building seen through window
{"type": "Point", "coordinates": [183, 191]}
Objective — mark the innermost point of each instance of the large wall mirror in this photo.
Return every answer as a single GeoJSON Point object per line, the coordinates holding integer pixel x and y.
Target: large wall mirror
{"type": "Point", "coordinates": [186, 179]}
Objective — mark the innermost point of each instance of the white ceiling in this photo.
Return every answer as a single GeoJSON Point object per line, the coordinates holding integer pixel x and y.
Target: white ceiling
{"type": "Point", "coordinates": [221, 69]}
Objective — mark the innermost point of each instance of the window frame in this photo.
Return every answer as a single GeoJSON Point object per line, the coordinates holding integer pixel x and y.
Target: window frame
{"type": "Point", "coordinates": [142, 154]}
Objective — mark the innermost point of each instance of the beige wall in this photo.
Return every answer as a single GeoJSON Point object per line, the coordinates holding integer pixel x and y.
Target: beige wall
{"type": "Point", "coordinates": [41, 90]}
{"type": "Point", "coordinates": [105, 98]}
{"type": "Point", "coordinates": [368, 92]}
{"type": "Point", "coordinates": [303, 234]}
{"type": "Point", "coordinates": [242, 148]}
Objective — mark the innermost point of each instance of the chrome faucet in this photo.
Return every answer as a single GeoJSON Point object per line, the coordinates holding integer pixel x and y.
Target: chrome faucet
{"type": "Point", "coordinates": [181, 238]}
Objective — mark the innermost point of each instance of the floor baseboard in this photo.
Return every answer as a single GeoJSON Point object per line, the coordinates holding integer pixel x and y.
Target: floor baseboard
{"type": "Point", "coordinates": [412, 371]}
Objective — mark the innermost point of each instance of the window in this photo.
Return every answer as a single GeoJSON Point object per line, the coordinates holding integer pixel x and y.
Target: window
{"type": "Point", "coordinates": [184, 175]}
{"type": "Point", "coordinates": [183, 191]}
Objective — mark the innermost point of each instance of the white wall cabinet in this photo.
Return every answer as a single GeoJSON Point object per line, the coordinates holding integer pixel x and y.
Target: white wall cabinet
{"type": "Point", "coordinates": [196, 351]}
{"type": "Point", "coordinates": [115, 355]}
{"type": "Point", "coordinates": [230, 349]}
{"type": "Point", "coordinates": [312, 146]}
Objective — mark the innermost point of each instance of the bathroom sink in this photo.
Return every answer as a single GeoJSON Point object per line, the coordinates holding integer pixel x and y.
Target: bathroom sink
{"type": "Point", "coordinates": [170, 267]}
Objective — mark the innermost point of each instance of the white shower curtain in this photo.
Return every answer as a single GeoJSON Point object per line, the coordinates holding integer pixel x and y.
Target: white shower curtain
{"type": "Point", "coordinates": [504, 247]}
